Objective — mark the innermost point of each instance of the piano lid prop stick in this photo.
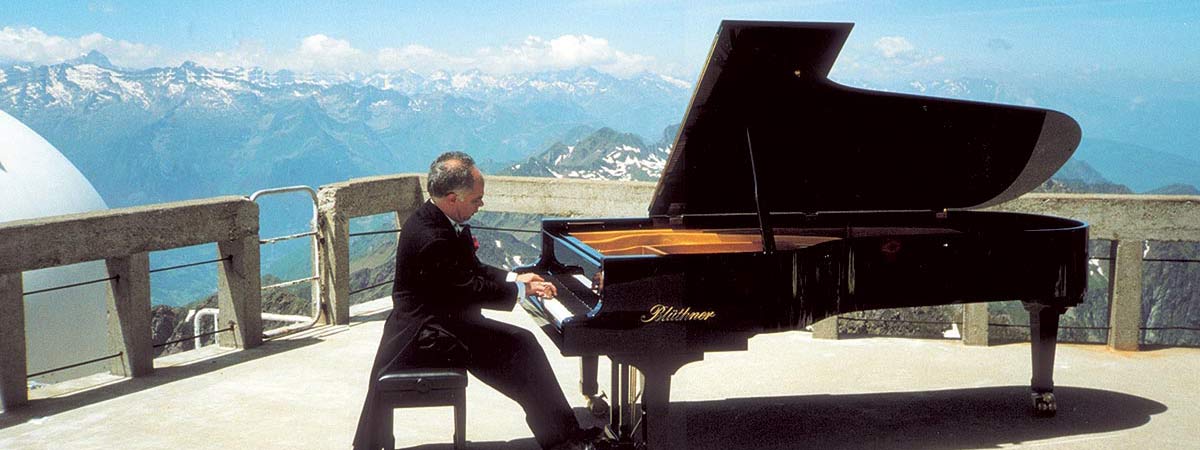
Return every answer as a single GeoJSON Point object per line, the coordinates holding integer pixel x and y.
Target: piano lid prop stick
{"type": "Point", "coordinates": [764, 225]}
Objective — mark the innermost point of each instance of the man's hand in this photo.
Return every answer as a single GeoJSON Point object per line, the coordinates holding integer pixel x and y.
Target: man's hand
{"type": "Point", "coordinates": [542, 289]}
{"type": "Point", "coordinates": [528, 277]}
{"type": "Point", "coordinates": [536, 285]}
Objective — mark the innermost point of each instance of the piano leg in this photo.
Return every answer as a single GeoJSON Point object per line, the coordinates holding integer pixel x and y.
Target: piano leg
{"type": "Point", "coordinates": [660, 431]}
{"type": "Point", "coordinates": [590, 387]}
{"type": "Point", "coordinates": [1043, 332]}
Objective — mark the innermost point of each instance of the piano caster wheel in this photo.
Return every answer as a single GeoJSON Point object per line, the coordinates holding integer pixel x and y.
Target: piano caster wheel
{"type": "Point", "coordinates": [598, 406]}
{"type": "Point", "coordinates": [1044, 405]}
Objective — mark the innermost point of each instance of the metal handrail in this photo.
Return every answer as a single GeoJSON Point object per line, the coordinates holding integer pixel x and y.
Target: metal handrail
{"type": "Point", "coordinates": [314, 235]}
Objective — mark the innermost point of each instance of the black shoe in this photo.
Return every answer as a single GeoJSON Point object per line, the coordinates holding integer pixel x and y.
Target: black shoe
{"type": "Point", "coordinates": [574, 444]}
{"type": "Point", "coordinates": [592, 434]}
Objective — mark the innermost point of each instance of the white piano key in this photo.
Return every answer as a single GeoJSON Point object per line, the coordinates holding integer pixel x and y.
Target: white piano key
{"type": "Point", "coordinates": [587, 282]}
{"type": "Point", "coordinates": [556, 309]}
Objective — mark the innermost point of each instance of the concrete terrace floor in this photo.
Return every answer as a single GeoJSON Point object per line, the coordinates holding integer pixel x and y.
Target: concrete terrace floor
{"type": "Point", "coordinates": [788, 391]}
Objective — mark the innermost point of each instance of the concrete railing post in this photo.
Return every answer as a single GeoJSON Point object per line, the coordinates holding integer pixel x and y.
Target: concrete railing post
{"type": "Point", "coordinates": [13, 387]}
{"type": "Point", "coordinates": [335, 266]}
{"type": "Point", "coordinates": [975, 324]}
{"type": "Point", "coordinates": [239, 293]}
{"type": "Point", "coordinates": [1125, 312]}
{"type": "Point", "coordinates": [826, 328]}
{"type": "Point", "coordinates": [338, 203]}
{"type": "Point", "coordinates": [129, 315]}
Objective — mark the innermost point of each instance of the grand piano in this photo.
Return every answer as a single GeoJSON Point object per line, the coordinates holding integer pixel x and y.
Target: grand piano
{"type": "Point", "coordinates": [789, 198]}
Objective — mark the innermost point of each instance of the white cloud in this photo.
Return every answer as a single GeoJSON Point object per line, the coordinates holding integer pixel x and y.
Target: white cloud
{"type": "Point", "coordinates": [122, 53]}
{"type": "Point", "coordinates": [246, 54]}
{"type": "Point", "coordinates": [892, 46]}
{"type": "Point", "coordinates": [419, 58]}
{"type": "Point", "coordinates": [889, 60]}
{"type": "Point", "coordinates": [1137, 102]}
{"type": "Point", "coordinates": [323, 53]}
{"type": "Point", "coordinates": [327, 54]}
{"type": "Point", "coordinates": [29, 44]}
{"type": "Point", "coordinates": [902, 54]}
{"type": "Point", "coordinates": [564, 52]}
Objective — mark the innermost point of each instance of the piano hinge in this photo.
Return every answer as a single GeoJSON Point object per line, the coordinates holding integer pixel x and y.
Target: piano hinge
{"type": "Point", "coordinates": [675, 214]}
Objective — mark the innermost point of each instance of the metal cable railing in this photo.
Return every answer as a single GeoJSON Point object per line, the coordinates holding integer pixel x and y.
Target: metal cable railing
{"type": "Point", "coordinates": [67, 286]}
{"type": "Point", "coordinates": [914, 322]}
{"type": "Point", "coordinates": [368, 233]}
{"type": "Point", "coordinates": [1173, 260]}
{"type": "Point", "coordinates": [514, 230]}
{"type": "Point", "coordinates": [204, 334]}
{"type": "Point", "coordinates": [473, 227]}
{"type": "Point", "coordinates": [72, 366]}
{"type": "Point", "coordinates": [372, 233]}
{"type": "Point", "coordinates": [182, 266]}
{"type": "Point", "coordinates": [1061, 327]}
{"type": "Point", "coordinates": [117, 277]}
{"type": "Point", "coordinates": [373, 286]}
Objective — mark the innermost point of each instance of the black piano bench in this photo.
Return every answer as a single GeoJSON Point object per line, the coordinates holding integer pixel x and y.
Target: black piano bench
{"type": "Point", "coordinates": [417, 387]}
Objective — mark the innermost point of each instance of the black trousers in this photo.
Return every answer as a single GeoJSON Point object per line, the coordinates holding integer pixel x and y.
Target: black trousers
{"type": "Point", "coordinates": [509, 359]}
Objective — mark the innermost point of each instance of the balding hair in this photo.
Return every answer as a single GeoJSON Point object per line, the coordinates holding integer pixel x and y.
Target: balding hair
{"type": "Point", "coordinates": [450, 172]}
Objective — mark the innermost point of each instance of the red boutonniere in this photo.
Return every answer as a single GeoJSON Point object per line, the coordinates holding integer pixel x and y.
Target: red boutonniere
{"type": "Point", "coordinates": [475, 242]}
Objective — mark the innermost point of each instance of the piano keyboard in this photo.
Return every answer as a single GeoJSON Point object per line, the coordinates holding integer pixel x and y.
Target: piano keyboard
{"type": "Point", "coordinates": [566, 304]}
{"type": "Point", "coordinates": [557, 311]}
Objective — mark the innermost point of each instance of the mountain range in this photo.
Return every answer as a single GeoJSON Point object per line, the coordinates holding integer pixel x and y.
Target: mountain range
{"type": "Point", "coordinates": [173, 133]}
{"type": "Point", "coordinates": [184, 132]}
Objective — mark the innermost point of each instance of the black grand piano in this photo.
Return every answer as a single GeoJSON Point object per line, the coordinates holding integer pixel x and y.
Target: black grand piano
{"type": "Point", "coordinates": [789, 198]}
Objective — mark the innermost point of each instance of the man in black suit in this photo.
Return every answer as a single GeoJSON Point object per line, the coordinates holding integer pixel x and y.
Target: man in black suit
{"type": "Point", "coordinates": [439, 291]}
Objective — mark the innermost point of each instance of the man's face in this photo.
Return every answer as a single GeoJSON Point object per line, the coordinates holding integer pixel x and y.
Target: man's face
{"type": "Point", "coordinates": [464, 204]}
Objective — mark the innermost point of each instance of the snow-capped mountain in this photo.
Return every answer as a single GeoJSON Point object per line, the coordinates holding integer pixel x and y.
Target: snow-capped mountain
{"type": "Point", "coordinates": [605, 154]}
{"type": "Point", "coordinates": [171, 133]}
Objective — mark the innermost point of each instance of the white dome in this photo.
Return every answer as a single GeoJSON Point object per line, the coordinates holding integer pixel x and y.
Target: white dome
{"type": "Point", "coordinates": [70, 325]}
{"type": "Point", "coordinates": [36, 179]}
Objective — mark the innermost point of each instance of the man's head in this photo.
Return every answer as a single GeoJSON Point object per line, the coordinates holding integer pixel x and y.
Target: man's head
{"type": "Point", "coordinates": [456, 185]}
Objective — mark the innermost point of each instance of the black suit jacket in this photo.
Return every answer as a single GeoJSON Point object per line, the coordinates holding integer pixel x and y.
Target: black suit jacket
{"type": "Point", "coordinates": [438, 280]}
{"type": "Point", "coordinates": [437, 273]}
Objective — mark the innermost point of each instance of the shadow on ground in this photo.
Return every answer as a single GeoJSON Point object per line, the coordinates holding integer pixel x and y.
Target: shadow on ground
{"type": "Point", "coordinates": [161, 376]}
{"type": "Point", "coordinates": [950, 419]}
{"type": "Point", "coordinates": [960, 418]}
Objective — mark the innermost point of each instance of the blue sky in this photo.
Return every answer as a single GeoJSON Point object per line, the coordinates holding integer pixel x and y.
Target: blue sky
{"type": "Point", "coordinates": [1126, 69]}
{"type": "Point", "coordinates": [1131, 38]}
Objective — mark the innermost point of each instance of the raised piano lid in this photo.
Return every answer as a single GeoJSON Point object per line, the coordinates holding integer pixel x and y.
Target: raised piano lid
{"type": "Point", "coordinates": [821, 146]}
